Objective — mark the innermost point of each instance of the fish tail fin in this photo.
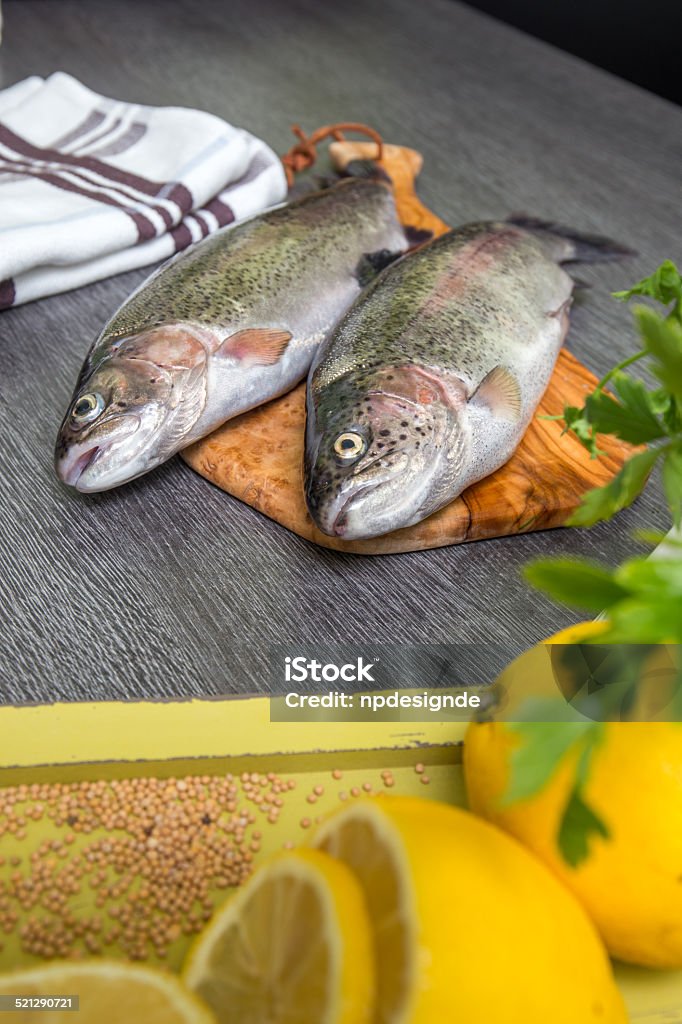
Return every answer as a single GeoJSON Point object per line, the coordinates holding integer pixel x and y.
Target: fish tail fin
{"type": "Point", "coordinates": [570, 246]}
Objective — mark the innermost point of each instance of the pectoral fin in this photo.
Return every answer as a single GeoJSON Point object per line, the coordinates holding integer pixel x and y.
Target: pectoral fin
{"type": "Point", "coordinates": [501, 393]}
{"type": "Point", "coordinates": [255, 346]}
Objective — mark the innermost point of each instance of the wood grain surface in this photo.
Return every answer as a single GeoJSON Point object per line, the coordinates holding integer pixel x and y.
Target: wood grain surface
{"type": "Point", "coordinates": [168, 587]}
{"type": "Point", "coordinates": [258, 457]}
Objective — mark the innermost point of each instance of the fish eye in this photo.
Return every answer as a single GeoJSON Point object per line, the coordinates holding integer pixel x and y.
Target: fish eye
{"type": "Point", "coordinates": [350, 445]}
{"type": "Point", "coordinates": [87, 408]}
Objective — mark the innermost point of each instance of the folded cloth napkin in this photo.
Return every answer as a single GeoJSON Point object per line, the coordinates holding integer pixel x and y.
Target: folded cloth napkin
{"type": "Point", "coordinates": [91, 187]}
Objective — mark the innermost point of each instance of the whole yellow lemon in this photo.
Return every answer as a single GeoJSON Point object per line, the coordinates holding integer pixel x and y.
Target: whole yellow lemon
{"type": "Point", "coordinates": [631, 883]}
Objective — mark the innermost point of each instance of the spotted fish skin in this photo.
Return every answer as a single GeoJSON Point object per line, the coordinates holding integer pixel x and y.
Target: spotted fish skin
{"type": "Point", "coordinates": [225, 326]}
{"type": "Point", "coordinates": [435, 372]}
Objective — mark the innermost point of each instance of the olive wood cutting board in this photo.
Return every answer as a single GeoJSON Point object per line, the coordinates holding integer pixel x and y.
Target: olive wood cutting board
{"type": "Point", "coordinates": [258, 457]}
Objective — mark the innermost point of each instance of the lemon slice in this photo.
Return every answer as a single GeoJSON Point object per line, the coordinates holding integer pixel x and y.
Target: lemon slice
{"type": "Point", "coordinates": [293, 946]}
{"type": "Point", "coordinates": [109, 992]}
{"type": "Point", "coordinates": [468, 925]}
{"type": "Point", "coordinates": [365, 839]}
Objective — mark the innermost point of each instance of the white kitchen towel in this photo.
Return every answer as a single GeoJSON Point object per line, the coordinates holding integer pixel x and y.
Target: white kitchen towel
{"type": "Point", "coordinates": [90, 187]}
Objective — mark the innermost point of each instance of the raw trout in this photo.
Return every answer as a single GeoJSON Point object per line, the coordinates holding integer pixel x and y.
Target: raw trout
{"type": "Point", "coordinates": [430, 379]}
{"type": "Point", "coordinates": [225, 326]}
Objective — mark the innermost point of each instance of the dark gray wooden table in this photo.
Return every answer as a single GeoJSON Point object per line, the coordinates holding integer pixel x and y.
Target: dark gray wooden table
{"type": "Point", "coordinates": [168, 586]}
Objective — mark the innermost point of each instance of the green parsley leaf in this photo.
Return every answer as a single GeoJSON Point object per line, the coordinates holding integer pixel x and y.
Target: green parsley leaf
{"type": "Point", "coordinates": [574, 581]}
{"type": "Point", "coordinates": [579, 825]}
{"type": "Point", "coordinates": [672, 416]}
{"type": "Point", "coordinates": [672, 481]}
{"type": "Point", "coordinates": [663, 341]}
{"type": "Point", "coordinates": [652, 575]}
{"type": "Point", "coordinates": [593, 739]}
{"type": "Point", "coordinates": [650, 537]}
{"type": "Point", "coordinates": [664, 285]}
{"type": "Point", "coordinates": [575, 420]}
{"type": "Point", "coordinates": [535, 760]}
{"type": "Point", "coordinates": [633, 418]}
{"type": "Point", "coordinates": [603, 502]}
{"type": "Point", "coordinates": [645, 619]}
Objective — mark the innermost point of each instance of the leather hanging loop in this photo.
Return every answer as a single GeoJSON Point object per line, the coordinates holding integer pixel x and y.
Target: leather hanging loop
{"type": "Point", "coordinates": [303, 154]}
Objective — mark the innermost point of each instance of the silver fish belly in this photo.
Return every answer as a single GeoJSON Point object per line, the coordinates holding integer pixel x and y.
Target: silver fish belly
{"type": "Point", "coordinates": [225, 326]}
{"type": "Point", "coordinates": [429, 381]}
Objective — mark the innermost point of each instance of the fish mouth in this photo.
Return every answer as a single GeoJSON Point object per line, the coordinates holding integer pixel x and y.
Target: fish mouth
{"type": "Point", "coordinates": [70, 470]}
{"type": "Point", "coordinates": [75, 463]}
{"type": "Point", "coordinates": [359, 513]}
{"type": "Point", "coordinates": [340, 524]}
{"type": "Point", "coordinates": [82, 463]}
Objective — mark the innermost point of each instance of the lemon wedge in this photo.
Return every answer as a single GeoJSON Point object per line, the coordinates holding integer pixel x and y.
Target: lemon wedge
{"type": "Point", "coordinates": [109, 992]}
{"type": "Point", "coordinates": [293, 946]}
{"type": "Point", "coordinates": [468, 925]}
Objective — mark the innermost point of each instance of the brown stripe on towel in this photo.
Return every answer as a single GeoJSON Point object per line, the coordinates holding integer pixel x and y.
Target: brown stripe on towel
{"type": "Point", "coordinates": [179, 193]}
{"type": "Point", "coordinates": [145, 228]}
{"type": "Point", "coordinates": [24, 168]}
{"type": "Point", "coordinates": [202, 222]}
{"type": "Point", "coordinates": [181, 196]}
{"type": "Point", "coordinates": [92, 121]}
{"type": "Point", "coordinates": [97, 138]}
{"type": "Point", "coordinates": [130, 136]}
{"type": "Point", "coordinates": [7, 293]}
{"type": "Point", "coordinates": [133, 133]}
{"type": "Point", "coordinates": [182, 236]}
{"type": "Point", "coordinates": [223, 213]}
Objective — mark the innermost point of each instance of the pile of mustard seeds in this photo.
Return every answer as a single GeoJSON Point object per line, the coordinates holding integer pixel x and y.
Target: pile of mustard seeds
{"type": "Point", "coordinates": [133, 865]}
{"type": "Point", "coordinates": [162, 847]}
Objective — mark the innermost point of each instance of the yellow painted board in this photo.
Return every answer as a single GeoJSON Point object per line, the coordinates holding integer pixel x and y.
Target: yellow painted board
{"type": "Point", "coordinates": [112, 741]}
{"type": "Point", "coordinates": [160, 732]}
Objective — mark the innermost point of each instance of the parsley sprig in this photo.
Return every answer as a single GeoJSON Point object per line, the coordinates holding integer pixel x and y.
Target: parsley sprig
{"type": "Point", "coordinates": [535, 761]}
{"type": "Point", "coordinates": [636, 413]}
{"type": "Point", "coordinates": [642, 597]}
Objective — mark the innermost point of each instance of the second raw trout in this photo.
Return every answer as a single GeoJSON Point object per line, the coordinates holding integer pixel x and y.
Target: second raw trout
{"type": "Point", "coordinates": [231, 323]}
{"type": "Point", "coordinates": [429, 381]}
